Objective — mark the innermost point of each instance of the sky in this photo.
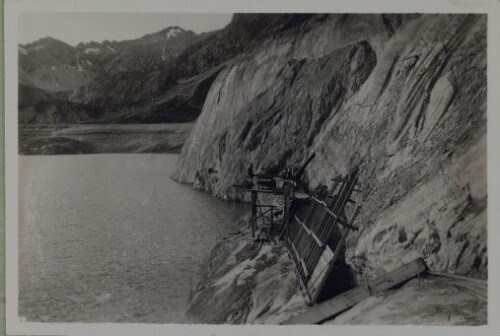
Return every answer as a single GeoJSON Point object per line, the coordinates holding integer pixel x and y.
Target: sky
{"type": "Point", "coordinates": [73, 28]}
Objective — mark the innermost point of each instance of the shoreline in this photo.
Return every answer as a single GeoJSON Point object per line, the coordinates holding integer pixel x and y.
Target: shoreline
{"type": "Point", "coordinates": [241, 283]}
{"type": "Point", "coordinates": [238, 283]}
{"type": "Point", "coordinates": [105, 138]}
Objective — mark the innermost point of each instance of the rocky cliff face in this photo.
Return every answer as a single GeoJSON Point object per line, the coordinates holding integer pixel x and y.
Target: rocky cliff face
{"type": "Point", "coordinates": [242, 282]}
{"type": "Point", "coordinates": [401, 96]}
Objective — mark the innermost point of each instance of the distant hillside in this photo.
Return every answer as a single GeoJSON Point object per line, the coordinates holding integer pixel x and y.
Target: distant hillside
{"type": "Point", "coordinates": [102, 75]}
{"type": "Point", "coordinates": [160, 77]}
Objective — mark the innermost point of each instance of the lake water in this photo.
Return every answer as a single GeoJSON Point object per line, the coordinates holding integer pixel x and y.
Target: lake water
{"type": "Point", "coordinates": [111, 238]}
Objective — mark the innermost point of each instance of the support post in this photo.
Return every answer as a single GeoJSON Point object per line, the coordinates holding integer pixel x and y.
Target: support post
{"type": "Point", "coordinates": [253, 221]}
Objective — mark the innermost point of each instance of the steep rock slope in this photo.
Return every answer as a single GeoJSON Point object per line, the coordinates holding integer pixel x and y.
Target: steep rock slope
{"type": "Point", "coordinates": [402, 97]}
{"type": "Point", "coordinates": [433, 302]}
{"type": "Point", "coordinates": [244, 283]}
{"type": "Point", "coordinates": [240, 34]}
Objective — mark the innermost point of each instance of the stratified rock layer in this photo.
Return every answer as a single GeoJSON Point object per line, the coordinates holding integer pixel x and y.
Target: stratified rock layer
{"type": "Point", "coordinates": [245, 282]}
{"type": "Point", "coordinates": [402, 97]}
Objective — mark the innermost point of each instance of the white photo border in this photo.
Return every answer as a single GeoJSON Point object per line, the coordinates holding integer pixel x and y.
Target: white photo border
{"type": "Point", "coordinates": [12, 10]}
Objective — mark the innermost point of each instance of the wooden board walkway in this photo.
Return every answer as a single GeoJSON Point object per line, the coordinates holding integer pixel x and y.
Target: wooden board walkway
{"type": "Point", "coordinates": [329, 309]}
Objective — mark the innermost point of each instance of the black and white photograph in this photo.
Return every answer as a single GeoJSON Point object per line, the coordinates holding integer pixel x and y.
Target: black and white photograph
{"type": "Point", "coordinates": [236, 168]}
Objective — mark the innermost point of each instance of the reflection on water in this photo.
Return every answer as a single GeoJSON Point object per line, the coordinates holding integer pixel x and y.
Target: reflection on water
{"type": "Point", "coordinates": [111, 238]}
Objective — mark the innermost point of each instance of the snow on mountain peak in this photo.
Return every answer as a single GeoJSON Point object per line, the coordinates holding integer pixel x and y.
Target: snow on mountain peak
{"type": "Point", "coordinates": [92, 51]}
{"type": "Point", "coordinates": [174, 32]}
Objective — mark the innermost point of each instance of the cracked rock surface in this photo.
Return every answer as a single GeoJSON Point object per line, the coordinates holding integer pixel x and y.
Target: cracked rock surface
{"type": "Point", "coordinates": [401, 96]}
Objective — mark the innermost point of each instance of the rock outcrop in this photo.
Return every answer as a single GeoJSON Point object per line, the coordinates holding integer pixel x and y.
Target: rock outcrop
{"type": "Point", "coordinates": [243, 282]}
{"type": "Point", "coordinates": [433, 302]}
{"type": "Point", "coordinates": [401, 96]}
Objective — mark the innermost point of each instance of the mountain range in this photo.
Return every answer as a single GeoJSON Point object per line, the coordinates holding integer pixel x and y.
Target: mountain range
{"type": "Point", "coordinates": [159, 78]}
{"type": "Point", "coordinates": [100, 78]}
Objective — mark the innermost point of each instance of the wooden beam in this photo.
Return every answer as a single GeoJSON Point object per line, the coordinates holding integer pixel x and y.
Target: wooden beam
{"type": "Point", "coordinates": [299, 258]}
{"type": "Point", "coordinates": [331, 213]}
{"type": "Point", "coordinates": [330, 265]}
{"type": "Point", "coordinates": [297, 273]}
{"type": "Point", "coordinates": [328, 309]}
{"type": "Point", "coordinates": [309, 232]}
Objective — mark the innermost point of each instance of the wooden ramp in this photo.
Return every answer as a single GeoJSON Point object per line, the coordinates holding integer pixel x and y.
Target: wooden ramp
{"type": "Point", "coordinates": [316, 232]}
{"type": "Point", "coordinates": [329, 309]}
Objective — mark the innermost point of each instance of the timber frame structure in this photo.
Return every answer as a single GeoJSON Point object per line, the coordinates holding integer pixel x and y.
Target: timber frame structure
{"type": "Point", "coordinates": [317, 232]}
{"type": "Point", "coordinates": [314, 230]}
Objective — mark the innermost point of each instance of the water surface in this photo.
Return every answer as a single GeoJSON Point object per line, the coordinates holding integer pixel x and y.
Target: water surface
{"type": "Point", "coordinates": [111, 238]}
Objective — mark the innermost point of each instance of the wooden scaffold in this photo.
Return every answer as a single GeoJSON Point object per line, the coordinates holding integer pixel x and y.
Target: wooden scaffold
{"type": "Point", "coordinates": [317, 231]}
{"type": "Point", "coordinates": [269, 220]}
{"type": "Point", "coordinates": [314, 230]}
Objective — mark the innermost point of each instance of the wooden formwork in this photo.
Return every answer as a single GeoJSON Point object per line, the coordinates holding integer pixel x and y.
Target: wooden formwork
{"type": "Point", "coordinates": [262, 221]}
{"type": "Point", "coordinates": [317, 230]}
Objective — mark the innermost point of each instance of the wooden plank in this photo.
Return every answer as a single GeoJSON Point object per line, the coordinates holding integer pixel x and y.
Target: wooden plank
{"type": "Point", "coordinates": [304, 266]}
{"type": "Point", "coordinates": [309, 232]}
{"type": "Point", "coordinates": [319, 201]}
{"type": "Point", "coordinates": [319, 271]}
{"type": "Point", "coordinates": [346, 300]}
{"type": "Point", "coordinates": [301, 282]}
{"type": "Point", "coordinates": [336, 254]}
{"type": "Point", "coordinates": [325, 260]}
{"type": "Point", "coordinates": [331, 213]}
{"type": "Point", "coordinates": [329, 267]}
{"type": "Point", "coordinates": [303, 225]}
{"type": "Point", "coordinates": [311, 229]}
{"type": "Point", "coordinates": [328, 253]}
{"type": "Point", "coordinates": [299, 258]}
{"type": "Point", "coordinates": [322, 263]}
{"type": "Point", "coordinates": [294, 248]}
